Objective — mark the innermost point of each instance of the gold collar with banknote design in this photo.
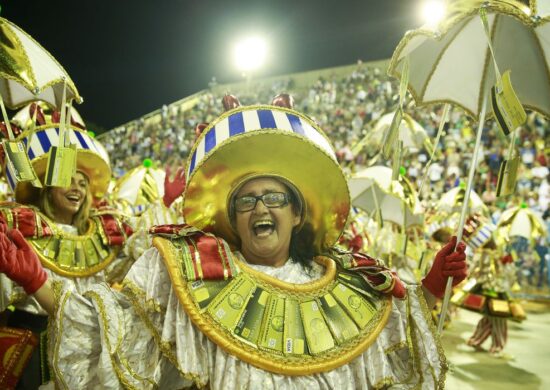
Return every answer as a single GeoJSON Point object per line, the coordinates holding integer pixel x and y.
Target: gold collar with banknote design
{"type": "Point", "coordinates": [285, 328]}
{"type": "Point", "coordinates": [75, 255]}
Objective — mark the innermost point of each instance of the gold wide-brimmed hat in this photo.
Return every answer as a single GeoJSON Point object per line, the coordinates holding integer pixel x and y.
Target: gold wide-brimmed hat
{"type": "Point", "coordinates": [273, 141]}
{"type": "Point", "coordinates": [91, 158]}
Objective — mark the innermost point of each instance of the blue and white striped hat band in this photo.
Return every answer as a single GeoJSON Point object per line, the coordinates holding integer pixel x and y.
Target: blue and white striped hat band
{"type": "Point", "coordinates": [92, 159]}
{"type": "Point", "coordinates": [255, 141]}
{"type": "Point", "coordinates": [256, 118]}
{"type": "Point", "coordinates": [43, 139]}
{"type": "Point", "coordinates": [481, 236]}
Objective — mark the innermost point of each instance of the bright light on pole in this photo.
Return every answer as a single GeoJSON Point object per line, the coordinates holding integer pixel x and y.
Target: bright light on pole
{"type": "Point", "coordinates": [250, 54]}
{"type": "Point", "coordinates": [433, 12]}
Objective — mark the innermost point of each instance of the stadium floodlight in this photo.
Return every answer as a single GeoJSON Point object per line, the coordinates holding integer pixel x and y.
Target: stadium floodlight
{"type": "Point", "coordinates": [250, 54]}
{"type": "Point", "coordinates": [433, 12]}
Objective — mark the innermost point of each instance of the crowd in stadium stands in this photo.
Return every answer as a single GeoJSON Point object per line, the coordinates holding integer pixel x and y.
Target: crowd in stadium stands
{"type": "Point", "coordinates": [346, 107]}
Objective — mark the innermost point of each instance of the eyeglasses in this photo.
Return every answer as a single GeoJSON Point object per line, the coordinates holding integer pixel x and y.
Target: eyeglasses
{"type": "Point", "coordinates": [271, 200]}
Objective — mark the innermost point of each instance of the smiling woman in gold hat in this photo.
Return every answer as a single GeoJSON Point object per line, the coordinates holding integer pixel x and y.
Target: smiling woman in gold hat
{"type": "Point", "coordinates": [252, 292]}
{"type": "Point", "coordinates": [74, 243]}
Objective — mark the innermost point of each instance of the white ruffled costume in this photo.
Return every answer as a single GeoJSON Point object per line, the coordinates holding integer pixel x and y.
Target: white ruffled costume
{"type": "Point", "coordinates": [103, 339]}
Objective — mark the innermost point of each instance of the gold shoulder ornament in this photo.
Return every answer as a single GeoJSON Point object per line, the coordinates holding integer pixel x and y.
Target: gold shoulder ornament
{"type": "Point", "coordinates": [75, 255]}
{"type": "Point", "coordinates": [284, 328]}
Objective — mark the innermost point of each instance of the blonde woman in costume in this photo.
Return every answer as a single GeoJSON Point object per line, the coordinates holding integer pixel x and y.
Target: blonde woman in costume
{"type": "Point", "coordinates": [251, 294]}
{"type": "Point", "coordinates": [75, 243]}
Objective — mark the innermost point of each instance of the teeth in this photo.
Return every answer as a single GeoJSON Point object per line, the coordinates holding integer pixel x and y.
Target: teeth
{"type": "Point", "coordinates": [263, 228]}
{"type": "Point", "coordinates": [263, 224]}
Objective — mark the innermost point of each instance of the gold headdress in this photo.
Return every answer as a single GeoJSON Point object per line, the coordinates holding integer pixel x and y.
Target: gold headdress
{"type": "Point", "coordinates": [265, 140]}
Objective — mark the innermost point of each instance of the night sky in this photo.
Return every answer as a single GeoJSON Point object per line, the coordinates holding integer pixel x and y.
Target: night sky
{"type": "Point", "coordinates": [128, 58]}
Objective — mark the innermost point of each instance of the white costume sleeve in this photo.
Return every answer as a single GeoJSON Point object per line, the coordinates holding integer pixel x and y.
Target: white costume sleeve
{"type": "Point", "coordinates": [156, 214]}
{"type": "Point", "coordinates": [10, 293]}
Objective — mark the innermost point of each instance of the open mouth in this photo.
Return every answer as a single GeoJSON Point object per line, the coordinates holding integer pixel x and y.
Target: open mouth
{"type": "Point", "coordinates": [263, 228]}
{"type": "Point", "coordinates": [73, 198]}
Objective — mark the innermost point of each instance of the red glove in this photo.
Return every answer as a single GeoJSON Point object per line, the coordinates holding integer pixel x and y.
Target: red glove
{"type": "Point", "coordinates": [356, 243]}
{"type": "Point", "coordinates": [173, 189]}
{"type": "Point", "coordinates": [3, 225]}
{"type": "Point", "coordinates": [19, 261]}
{"type": "Point", "coordinates": [447, 263]}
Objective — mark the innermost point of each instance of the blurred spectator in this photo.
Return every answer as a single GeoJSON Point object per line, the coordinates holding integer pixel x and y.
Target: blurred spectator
{"type": "Point", "coordinates": [527, 154]}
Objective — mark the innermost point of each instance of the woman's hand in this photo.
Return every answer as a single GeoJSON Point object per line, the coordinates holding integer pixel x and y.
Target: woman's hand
{"type": "Point", "coordinates": [19, 261]}
{"type": "Point", "coordinates": [173, 189]}
{"type": "Point", "coordinates": [448, 263]}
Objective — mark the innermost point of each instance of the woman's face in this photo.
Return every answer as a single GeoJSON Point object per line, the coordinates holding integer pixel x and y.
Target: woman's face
{"type": "Point", "coordinates": [265, 232]}
{"type": "Point", "coordinates": [67, 201]}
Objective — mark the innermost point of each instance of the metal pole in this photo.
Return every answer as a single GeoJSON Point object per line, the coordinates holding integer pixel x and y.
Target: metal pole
{"type": "Point", "coordinates": [449, 287]}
